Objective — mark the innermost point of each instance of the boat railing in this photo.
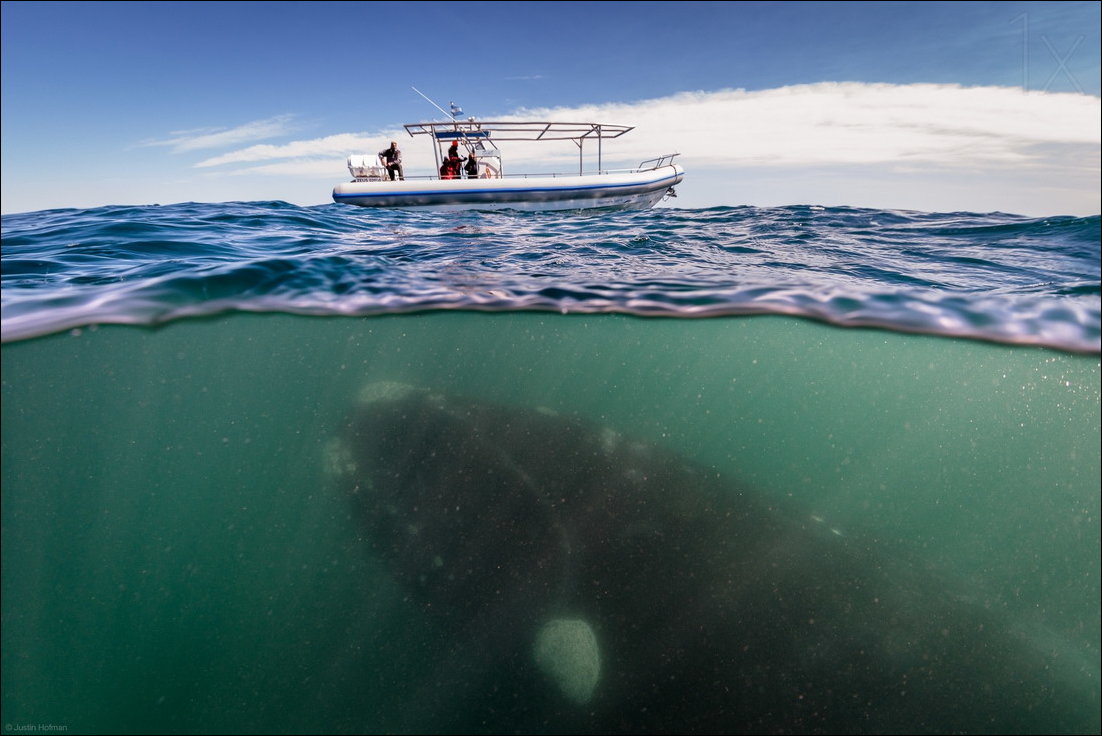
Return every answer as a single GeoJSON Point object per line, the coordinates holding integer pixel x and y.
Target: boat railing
{"type": "Point", "coordinates": [648, 165]}
{"type": "Point", "coordinates": [656, 163]}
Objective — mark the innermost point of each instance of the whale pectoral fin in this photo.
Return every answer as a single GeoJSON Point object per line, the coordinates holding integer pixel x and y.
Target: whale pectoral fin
{"type": "Point", "coordinates": [567, 653]}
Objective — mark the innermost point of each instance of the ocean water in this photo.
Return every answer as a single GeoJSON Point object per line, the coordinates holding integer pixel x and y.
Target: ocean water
{"type": "Point", "coordinates": [177, 559]}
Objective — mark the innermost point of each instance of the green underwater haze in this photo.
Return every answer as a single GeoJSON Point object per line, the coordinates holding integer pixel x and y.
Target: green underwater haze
{"type": "Point", "coordinates": [176, 558]}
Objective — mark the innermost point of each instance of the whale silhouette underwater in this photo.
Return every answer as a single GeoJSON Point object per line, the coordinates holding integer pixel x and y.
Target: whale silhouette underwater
{"type": "Point", "coordinates": [582, 582]}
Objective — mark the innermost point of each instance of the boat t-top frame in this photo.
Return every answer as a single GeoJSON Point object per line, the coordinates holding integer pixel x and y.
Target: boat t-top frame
{"type": "Point", "coordinates": [480, 135]}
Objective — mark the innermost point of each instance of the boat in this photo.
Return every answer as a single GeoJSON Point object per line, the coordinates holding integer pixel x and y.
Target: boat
{"type": "Point", "coordinates": [496, 188]}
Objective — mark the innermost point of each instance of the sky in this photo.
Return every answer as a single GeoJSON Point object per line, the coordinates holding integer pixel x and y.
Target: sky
{"type": "Point", "coordinates": [930, 106]}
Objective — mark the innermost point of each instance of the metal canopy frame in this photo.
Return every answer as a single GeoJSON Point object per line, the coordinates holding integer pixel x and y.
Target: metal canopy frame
{"type": "Point", "coordinates": [472, 129]}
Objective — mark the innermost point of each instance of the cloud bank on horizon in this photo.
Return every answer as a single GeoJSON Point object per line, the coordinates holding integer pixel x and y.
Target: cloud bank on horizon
{"type": "Point", "coordinates": [1007, 136]}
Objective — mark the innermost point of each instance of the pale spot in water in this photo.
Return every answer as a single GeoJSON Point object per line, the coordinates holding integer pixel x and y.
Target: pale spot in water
{"type": "Point", "coordinates": [609, 440]}
{"type": "Point", "coordinates": [337, 458]}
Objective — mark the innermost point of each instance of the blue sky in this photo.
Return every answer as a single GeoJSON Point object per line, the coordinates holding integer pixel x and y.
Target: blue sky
{"type": "Point", "coordinates": [925, 105]}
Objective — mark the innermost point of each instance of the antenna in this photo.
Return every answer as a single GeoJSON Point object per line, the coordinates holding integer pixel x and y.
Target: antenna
{"type": "Point", "coordinates": [433, 103]}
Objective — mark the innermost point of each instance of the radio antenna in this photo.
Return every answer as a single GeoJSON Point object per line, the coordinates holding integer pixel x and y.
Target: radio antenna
{"type": "Point", "coordinates": [433, 103]}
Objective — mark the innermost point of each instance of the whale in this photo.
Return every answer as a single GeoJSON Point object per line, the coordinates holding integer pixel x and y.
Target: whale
{"type": "Point", "coordinates": [580, 580]}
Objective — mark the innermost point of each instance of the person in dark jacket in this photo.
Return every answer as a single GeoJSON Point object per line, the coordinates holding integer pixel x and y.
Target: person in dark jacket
{"type": "Point", "coordinates": [391, 158]}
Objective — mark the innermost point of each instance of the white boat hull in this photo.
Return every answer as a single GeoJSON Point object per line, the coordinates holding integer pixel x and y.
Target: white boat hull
{"type": "Point", "coordinates": [633, 190]}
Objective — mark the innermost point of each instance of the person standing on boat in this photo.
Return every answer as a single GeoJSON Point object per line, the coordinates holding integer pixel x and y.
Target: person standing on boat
{"type": "Point", "coordinates": [391, 158]}
{"type": "Point", "coordinates": [472, 166]}
{"type": "Point", "coordinates": [451, 168]}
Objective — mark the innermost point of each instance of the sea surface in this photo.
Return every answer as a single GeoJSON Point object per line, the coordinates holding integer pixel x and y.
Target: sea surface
{"type": "Point", "coordinates": [176, 558]}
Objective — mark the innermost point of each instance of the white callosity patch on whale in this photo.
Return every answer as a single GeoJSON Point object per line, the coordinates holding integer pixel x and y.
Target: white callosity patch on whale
{"type": "Point", "coordinates": [385, 391]}
{"type": "Point", "coordinates": [567, 653]}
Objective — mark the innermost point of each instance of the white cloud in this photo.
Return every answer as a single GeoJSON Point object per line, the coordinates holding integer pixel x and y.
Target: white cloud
{"type": "Point", "coordinates": [852, 123]}
{"type": "Point", "coordinates": [925, 146]}
{"type": "Point", "coordinates": [806, 125]}
{"type": "Point", "coordinates": [317, 168]}
{"type": "Point", "coordinates": [195, 140]}
{"type": "Point", "coordinates": [333, 145]}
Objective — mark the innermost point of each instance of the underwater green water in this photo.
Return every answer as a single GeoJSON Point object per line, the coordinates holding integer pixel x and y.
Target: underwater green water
{"type": "Point", "coordinates": [176, 560]}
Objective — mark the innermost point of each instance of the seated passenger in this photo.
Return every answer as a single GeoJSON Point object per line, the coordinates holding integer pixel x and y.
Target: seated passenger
{"type": "Point", "coordinates": [391, 158]}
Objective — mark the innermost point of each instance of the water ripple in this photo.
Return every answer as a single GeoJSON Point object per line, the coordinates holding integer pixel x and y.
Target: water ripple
{"type": "Point", "coordinates": [999, 277]}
